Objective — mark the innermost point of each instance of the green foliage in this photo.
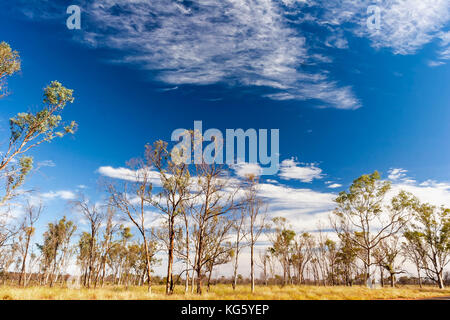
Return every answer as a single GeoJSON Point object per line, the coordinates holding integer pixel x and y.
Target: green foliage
{"type": "Point", "coordinates": [27, 126]}
{"type": "Point", "coordinates": [9, 64]}
{"type": "Point", "coordinates": [429, 237]}
{"type": "Point", "coordinates": [362, 220]}
{"type": "Point", "coordinates": [16, 176]}
{"type": "Point", "coordinates": [29, 130]}
{"type": "Point", "coordinates": [56, 241]}
{"type": "Point", "coordinates": [364, 196]}
{"type": "Point", "coordinates": [9, 60]}
{"type": "Point", "coordinates": [431, 227]}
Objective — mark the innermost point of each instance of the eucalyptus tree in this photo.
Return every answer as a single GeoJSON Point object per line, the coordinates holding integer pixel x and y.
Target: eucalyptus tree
{"type": "Point", "coordinates": [117, 254]}
{"type": "Point", "coordinates": [346, 259]}
{"type": "Point", "coordinates": [56, 248]}
{"type": "Point", "coordinates": [132, 198]}
{"type": "Point", "coordinates": [255, 210]}
{"type": "Point", "coordinates": [282, 240]}
{"type": "Point", "coordinates": [175, 191]}
{"type": "Point", "coordinates": [263, 263]}
{"type": "Point", "coordinates": [414, 254]}
{"type": "Point", "coordinates": [303, 247]}
{"type": "Point", "coordinates": [217, 198]}
{"type": "Point", "coordinates": [9, 65]}
{"type": "Point", "coordinates": [29, 130]}
{"type": "Point", "coordinates": [185, 243]}
{"type": "Point", "coordinates": [83, 255]}
{"type": "Point", "coordinates": [429, 234]}
{"type": "Point", "coordinates": [387, 255]}
{"type": "Point", "coordinates": [239, 241]}
{"type": "Point", "coordinates": [111, 229]}
{"type": "Point", "coordinates": [27, 230]}
{"type": "Point", "coordinates": [362, 217]}
{"type": "Point", "coordinates": [218, 250]}
{"type": "Point", "coordinates": [7, 258]}
{"type": "Point", "coordinates": [94, 216]}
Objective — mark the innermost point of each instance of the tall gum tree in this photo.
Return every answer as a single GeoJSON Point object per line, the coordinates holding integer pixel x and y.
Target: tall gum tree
{"type": "Point", "coordinates": [429, 234]}
{"type": "Point", "coordinates": [362, 217]}
{"type": "Point", "coordinates": [132, 199]}
{"type": "Point", "coordinates": [175, 191]}
{"type": "Point", "coordinates": [27, 131]}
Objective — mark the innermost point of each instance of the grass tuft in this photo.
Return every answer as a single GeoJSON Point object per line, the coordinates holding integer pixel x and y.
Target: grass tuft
{"type": "Point", "coordinates": [222, 292]}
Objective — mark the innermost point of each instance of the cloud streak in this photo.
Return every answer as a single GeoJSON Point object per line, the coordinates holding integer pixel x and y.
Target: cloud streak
{"type": "Point", "coordinates": [406, 25]}
{"type": "Point", "coordinates": [238, 43]}
{"type": "Point", "coordinates": [235, 42]}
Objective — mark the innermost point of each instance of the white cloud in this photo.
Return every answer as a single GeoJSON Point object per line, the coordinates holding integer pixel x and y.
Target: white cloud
{"type": "Point", "coordinates": [337, 41]}
{"type": "Point", "coordinates": [127, 174]}
{"type": "Point", "coordinates": [433, 63]}
{"type": "Point", "coordinates": [46, 163]}
{"type": "Point", "coordinates": [61, 194]}
{"type": "Point", "coordinates": [444, 51]}
{"type": "Point", "coordinates": [406, 25]}
{"type": "Point", "coordinates": [292, 170]}
{"type": "Point", "coordinates": [399, 175]}
{"type": "Point", "coordinates": [117, 173]}
{"type": "Point", "coordinates": [304, 208]}
{"type": "Point", "coordinates": [334, 185]}
{"type": "Point", "coordinates": [436, 193]}
{"type": "Point", "coordinates": [251, 42]}
{"type": "Point", "coordinates": [410, 24]}
{"type": "Point", "coordinates": [236, 42]}
{"type": "Point", "coordinates": [244, 169]}
{"type": "Point", "coordinates": [247, 42]}
{"type": "Point", "coordinates": [396, 173]}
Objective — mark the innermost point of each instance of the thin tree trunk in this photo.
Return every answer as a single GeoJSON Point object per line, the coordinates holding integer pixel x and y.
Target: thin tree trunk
{"type": "Point", "coordinates": [23, 271]}
{"type": "Point", "coordinates": [148, 265]}
{"type": "Point", "coordinates": [209, 277]}
{"type": "Point", "coordinates": [235, 267]}
{"type": "Point", "coordinates": [199, 267]}
{"type": "Point", "coordinates": [192, 280]}
{"type": "Point", "coordinates": [419, 277]}
{"type": "Point", "coordinates": [169, 280]}
{"type": "Point", "coordinates": [440, 281]}
{"type": "Point", "coordinates": [252, 267]}
{"type": "Point", "coordinates": [186, 285]}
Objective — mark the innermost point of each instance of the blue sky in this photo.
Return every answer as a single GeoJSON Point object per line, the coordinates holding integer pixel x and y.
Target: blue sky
{"type": "Point", "coordinates": [347, 100]}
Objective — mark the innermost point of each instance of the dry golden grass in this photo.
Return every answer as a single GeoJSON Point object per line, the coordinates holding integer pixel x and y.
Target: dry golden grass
{"type": "Point", "coordinates": [223, 292]}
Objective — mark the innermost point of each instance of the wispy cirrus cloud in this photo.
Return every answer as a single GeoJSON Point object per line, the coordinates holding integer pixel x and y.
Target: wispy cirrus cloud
{"type": "Point", "coordinates": [246, 43]}
{"type": "Point", "coordinates": [399, 175]}
{"type": "Point", "coordinates": [444, 51]}
{"type": "Point", "coordinates": [405, 25]}
{"type": "Point", "coordinates": [253, 43]}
